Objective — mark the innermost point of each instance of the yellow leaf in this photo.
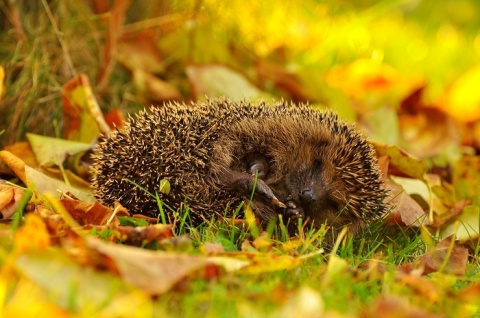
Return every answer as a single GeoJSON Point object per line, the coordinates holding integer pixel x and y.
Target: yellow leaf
{"type": "Point", "coordinates": [33, 235]}
{"type": "Point", "coordinates": [463, 99]}
{"type": "Point", "coordinates": [28, 300]}
{"type": "Point", "coordinates": [82, 115]}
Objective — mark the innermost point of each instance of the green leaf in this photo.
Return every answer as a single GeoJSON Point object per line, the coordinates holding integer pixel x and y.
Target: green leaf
{"type": "Point", "coordinates": [50, 151]}
{"type": "Point", "coordinates": [164, 186]}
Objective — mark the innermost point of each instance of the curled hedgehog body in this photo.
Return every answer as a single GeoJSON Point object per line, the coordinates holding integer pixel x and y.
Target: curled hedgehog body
{"type": "Point", "coordinates": [300, 163]}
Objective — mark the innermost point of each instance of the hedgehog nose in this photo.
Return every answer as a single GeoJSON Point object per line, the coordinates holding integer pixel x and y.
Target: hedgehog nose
{"type": "Point", "coordinates": [306, 195]}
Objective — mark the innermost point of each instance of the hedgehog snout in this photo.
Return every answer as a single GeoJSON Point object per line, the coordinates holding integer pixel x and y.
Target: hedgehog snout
{"type": "Point", "coordinates": [307, 195]}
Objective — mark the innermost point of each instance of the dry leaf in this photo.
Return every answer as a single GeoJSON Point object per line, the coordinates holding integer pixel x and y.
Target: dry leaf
{"type": "Point", "coordinates": [213, 80]}
{"type": "Point", "coordinates": [284, 81]}
{"type": "Point", "coordinates": [445, 256]}
{"type": "Point", "coordinates": [392, 307]}
{"type": "Point", "coordinates": [15, 164]}
{"type": "Point", "coordinates": [406, 211]}
{"type": "Point", "coordinates": [83, 119]}
{"type": "Point", "coordinates": [142, 235]}
{"type": "Point", "coordinates": [91, 213]}
{"type": "Point", "coordinates": [153, 272]}
{"type": "Point", "coordinates": [24, 151]}
{"type": "Point", "coordinates": [401, 163]}
{"type": "Point", "coordinates": [10, 198]}
{"type": "Point", "coordinates": [33, 235]}
{"type": "Point", "coordinates": [153, 88]}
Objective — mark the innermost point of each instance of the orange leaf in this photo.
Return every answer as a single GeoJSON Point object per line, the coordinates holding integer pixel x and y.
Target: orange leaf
{"type": "Point", "coordinates": [83, 119]}
{"type": "Point", "coordinates": [24, 151]}
{"type": "Point", "coordinates": [94, 213]}
{"type": "Point", "coordinates": [10, 198]}
{"type": "Point", "coordinates": [15, 164]}
{"type": "Point", "coordinates": [33, 235]}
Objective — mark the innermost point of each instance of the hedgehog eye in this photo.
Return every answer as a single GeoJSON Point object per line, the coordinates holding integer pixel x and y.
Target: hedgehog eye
{"type": "Point", "coordinates": [258, 166]}
{"type": "Point", "coordinates": [257, 163]}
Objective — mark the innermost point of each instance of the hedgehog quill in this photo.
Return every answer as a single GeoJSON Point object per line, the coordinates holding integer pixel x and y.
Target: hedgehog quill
{"type": "Point", "coordinates": [298, 162]}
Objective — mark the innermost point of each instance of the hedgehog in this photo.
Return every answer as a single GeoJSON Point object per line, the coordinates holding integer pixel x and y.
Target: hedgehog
{"type": "Point", "coordinates": [281, 159]}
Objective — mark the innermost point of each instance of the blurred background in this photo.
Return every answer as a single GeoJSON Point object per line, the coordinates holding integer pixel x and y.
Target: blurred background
{"type": "Point", "coordinates": [407, 72]}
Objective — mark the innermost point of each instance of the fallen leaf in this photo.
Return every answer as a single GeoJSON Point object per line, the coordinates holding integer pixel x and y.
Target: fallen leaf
{"type": "Point", "coordinates": [10, 198]}
{"type": "Point", "coordinates": [305, 303]}
{"type": "Point", "coordinates": [15, 164]}
{"type": "Point", "coordinates": [153, 272]}
{"type": "Point", "coordinates": [447, 256]}
{"type": "Point", "coordinates": [91, 213]}
{"type": "Point", "coordinates": [33, 235]}
{"type": "Point", "coordinates": [401, 163]}
{"type": "Point", "coordinates": [425, 130]}
{"type": "Point", "coordinates": [28, 300]}
{"type": "Point", "coordinates": [388, 306]}
{"type": "Point", "coordinates": [463, 99]}
{"type": "Point", "coordinates": [283, 80]}
{"type": "Point", "coordinates": [405, 210]}
{"type": "Point", "coordinates": [143, 235]}
{"type": "Point", "coordinates": [49, 150]}
{"type": "Point", "coordinates": [24, 151]}
{"type": "Point", "coordinates": [466, 177]}
{"type": "Point", "coordinates": [153, 88]}
{"type": "Point", "coordinates": [43, 184]}
{"type": "Point", "coordinates": [83, 119]}
{"type": "Point", "coordinates": [58, 275]}
{"type": "Point", "coordinates": [468, 227]}
{"type": "Point", "coordinates": [213, 80]}
{"type": "Point", "coordinates": [73, 179]}
{"type": "Point", "coordinates": [209, 248]}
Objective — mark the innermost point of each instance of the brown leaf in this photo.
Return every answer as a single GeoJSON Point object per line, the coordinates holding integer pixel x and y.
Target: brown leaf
{"type": "Point", "coordinates": [406, 211]}
{"type": "Point", "coordinates": [212, 248]}
{"type": "Point", "coordinates": [427, 132]}
{"type": "Point", "coordinates": [284, 80]}
{"type": "Point", "coordinates": [15, 164]}
{"type": "Point", "coordinates": [466, 177]}
{"type": "Point", "coordinates": [94, 213]}
{"type": "Point", "coordinates": [153, 272]}
{"type": "Point", "coordinates": [10, 198]}
{"type": "Point", "coordinates": [445, 256]}
{"type": "Point", "coordinates": [450, 215]}
{"type": "Point", "coordinates": [142, 235]}
{"type": "Point", "coordinates": [392, 307]}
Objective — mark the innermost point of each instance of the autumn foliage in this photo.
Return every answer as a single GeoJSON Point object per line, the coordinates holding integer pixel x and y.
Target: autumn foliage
{"type": "Point", "coordinates": [407, 75]}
